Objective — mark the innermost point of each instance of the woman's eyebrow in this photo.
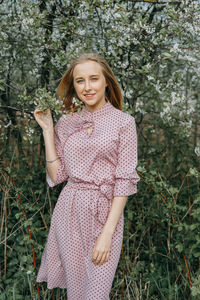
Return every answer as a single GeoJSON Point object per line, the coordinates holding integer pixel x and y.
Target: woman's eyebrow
{"type": "Point", "coordinates": [78, 78]}
{"type": "Point", "coordinates": [89, 76]}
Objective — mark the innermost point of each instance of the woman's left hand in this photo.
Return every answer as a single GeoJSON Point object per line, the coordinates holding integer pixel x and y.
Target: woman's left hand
{"type": "Point", "coordinates": [101, 249]}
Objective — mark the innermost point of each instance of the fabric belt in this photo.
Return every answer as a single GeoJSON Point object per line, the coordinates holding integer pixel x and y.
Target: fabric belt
{"type": "Point", "coordinates": [101, 204]}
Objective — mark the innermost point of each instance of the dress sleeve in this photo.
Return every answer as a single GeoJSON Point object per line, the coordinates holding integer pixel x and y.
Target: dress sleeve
{"type": "Point", "coordinates": [59, 139]}
{"type": "Point", "coordinates": [126, 177]}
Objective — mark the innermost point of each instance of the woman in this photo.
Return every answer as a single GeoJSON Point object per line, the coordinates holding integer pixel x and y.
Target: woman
{"type": "Point", "coordinates": [95, 151]}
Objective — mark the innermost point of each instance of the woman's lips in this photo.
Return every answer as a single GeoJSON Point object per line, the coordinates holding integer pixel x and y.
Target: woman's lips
{"type": "Point", "coordinates": [89, 96]}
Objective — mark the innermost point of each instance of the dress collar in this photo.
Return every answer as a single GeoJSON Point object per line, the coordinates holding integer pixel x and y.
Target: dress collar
{"type": "Point", "coordinates": [99, 112]}
{"type": "Point", "coordinates": [85, 118]}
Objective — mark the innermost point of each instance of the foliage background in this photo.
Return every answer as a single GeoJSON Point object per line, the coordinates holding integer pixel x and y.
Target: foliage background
{"type": "Point", "coordinates": [153, 49]}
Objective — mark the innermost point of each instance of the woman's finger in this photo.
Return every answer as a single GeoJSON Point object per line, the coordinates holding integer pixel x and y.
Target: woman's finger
{"type": "Point", "coordinates": [107, 256]}
{"type": "Point", "coordinates": [102, 261]}
{"type": "Point", "coordinates": [96, 257]}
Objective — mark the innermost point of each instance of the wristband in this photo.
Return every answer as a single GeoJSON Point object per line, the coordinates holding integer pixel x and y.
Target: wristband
{"type": "Point", "coordinates": [50, 161]}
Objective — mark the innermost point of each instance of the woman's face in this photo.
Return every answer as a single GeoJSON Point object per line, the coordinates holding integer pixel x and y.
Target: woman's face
{"type": "Point", "coordinates": [90, 84]}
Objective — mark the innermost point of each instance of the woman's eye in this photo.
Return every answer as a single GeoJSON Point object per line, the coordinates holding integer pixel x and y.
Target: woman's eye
{"type": "Point", "coordinates": [79, 81]}
{"type": "Point", "coordinates": [94, 78]}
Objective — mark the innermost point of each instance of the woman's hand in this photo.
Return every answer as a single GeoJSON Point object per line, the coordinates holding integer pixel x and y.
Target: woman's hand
{"type": "Point", "coordinates": [101, 249]}
{"type": "Point", "coordinates": [44, 119]}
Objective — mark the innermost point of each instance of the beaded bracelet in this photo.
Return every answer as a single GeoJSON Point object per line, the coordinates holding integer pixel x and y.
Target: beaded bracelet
{"type": "Point", "coordinates": [50, 161]}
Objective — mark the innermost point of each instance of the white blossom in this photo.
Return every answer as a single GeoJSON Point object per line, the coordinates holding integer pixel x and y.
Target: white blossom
{"type": "Point", "coordinates": [9, 123]}
{"type": "Point", "coordinates": [197, 150]}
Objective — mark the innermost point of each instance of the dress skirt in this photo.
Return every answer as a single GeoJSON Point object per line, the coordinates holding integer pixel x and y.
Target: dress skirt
{"type": "Point", "coordinates": [67, 258]}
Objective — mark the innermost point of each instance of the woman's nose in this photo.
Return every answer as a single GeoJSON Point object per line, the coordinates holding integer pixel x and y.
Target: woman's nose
{"type": "Point", "coordinates": [87, 85]}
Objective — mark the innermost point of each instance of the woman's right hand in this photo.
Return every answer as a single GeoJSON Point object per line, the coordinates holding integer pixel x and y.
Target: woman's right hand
{"type": "Point", "coordinates": [44, 119]}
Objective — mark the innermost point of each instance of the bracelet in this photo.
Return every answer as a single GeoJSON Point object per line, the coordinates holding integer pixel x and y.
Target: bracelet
{"type": "Point", "coordinates": [50, 161]}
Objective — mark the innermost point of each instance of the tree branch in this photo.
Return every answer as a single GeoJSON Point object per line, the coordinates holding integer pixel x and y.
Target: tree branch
{"type": "Point", "coordinates": [16, 109]}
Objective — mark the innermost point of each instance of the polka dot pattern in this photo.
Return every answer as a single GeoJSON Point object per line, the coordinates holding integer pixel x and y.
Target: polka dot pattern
{"type": "Point", "coordinates": [97, 166]}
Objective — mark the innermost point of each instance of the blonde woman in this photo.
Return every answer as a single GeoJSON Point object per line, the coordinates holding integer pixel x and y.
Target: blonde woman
{"type": "Point", "coordinates": [95, 150]}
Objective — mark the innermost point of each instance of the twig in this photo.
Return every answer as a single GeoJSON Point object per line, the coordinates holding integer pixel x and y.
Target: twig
{"type": "Point", "coordinates": [16, 109]}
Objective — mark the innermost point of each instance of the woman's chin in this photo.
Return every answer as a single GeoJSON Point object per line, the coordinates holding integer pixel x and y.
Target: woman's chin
{"type": "Point", "coordinates": [90, 102]}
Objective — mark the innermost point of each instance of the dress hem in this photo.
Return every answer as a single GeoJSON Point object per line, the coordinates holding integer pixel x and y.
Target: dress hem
{"type": "Point", "coordinates": [49, 287]}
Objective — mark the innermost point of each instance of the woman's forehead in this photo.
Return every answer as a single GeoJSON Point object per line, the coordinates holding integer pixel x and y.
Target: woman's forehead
{"type": "Point", "coordinates": [87, 68]}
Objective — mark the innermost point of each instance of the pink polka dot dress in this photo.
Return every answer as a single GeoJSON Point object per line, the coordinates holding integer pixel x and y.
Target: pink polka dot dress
{"type": "Point", "coordinates": [97, 166]}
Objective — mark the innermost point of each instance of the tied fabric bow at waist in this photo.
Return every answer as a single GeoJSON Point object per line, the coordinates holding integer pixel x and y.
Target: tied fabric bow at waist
{"type": "Point", "coordinates": [101, 204]}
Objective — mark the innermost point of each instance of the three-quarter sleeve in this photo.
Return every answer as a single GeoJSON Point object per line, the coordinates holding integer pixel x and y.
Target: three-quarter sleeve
{"type": "Point", "coordinates": [126, 177]}
{"type": "Point", "coordinates": [59, 139]}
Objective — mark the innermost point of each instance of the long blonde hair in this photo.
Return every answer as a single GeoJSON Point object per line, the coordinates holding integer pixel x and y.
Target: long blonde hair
{"type": "Point", "coordinates": [66, 91]}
